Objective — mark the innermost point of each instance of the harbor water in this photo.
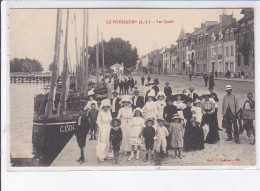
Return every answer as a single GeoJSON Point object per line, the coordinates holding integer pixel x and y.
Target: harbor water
{"type": "Point", "coordinates": [21, 122]}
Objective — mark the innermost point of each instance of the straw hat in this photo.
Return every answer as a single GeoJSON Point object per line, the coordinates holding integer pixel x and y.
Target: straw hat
{"type": "Point", "coordinates": [176, 116]}
{"type": "Point", "coordinates": [91, 92]}
{"type": "Point", "coordinates": [160, 94]}
{"type": "Point", "coordinates": [159, 120]}
{"type": "Point", "coordinates": [228, 87]}
{"type": "Point", "coordinates": [149, 119]}
{"type": "Point", "coordinates": [126, 98]}
{"type": "Point", "coordinates": [105, 102]}
{"type": "Point", "coordinates": [136, 90]}
{"type": "Point", "coordinates": [115, 91]}
{"type": "Point", "coordinates": [191, 88]}
{"type": "Point", "coordinates": [183, 96]}
{"type": "Point", "coordinates": [115, 119]}
{"type": "Point", "coordinates": [197, 101]}
{"type": "Point", "coordinates": [205, 94]}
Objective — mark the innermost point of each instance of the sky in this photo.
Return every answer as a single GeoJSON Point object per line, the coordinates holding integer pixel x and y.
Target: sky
{"type": "Point", "coordinates": [32, 31]}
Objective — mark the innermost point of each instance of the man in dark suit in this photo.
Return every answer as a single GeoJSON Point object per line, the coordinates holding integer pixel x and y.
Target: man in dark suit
{"type": "Point", "coordinates": [193, 95]}
{"type": "Point", "coordinates": [138, 101]}
{"type": "Point", "coordinates": [115, 104]}
{"type": "Point", "coordinates": [81, 132]}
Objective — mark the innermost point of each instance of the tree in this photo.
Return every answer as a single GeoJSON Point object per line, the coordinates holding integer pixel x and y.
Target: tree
{"type": "Point", "coordinates": [116, 50]}
{"type": "Point", "coordinates": [25, 65]}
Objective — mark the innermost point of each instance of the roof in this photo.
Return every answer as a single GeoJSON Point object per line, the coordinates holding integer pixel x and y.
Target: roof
{"type": "Point", "coordinates": [181, 35]}
{"type": "Point", "coordinates": [117, 65]}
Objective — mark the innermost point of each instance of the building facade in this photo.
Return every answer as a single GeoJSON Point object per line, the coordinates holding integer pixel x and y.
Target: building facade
{"type": "Point", "coordinates": [245, 44]}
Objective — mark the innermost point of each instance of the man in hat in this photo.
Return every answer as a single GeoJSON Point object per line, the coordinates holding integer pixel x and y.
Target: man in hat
{"type": "Point", "coordinates": [142, 79]}
{"type": "Point", "coordinates": [115, 102]}
{"type": "Point", "coordinates": [138, 101]}
{"type": "Point", "coordinates": [148, 78]}
{"type": "Point", "coordinates": [167, 90]}
{"type": "Point", "coordinates": [193, 95]}
{"type": "Point", "coordinates": [206, 79]}
{"type": "Point", "coordinates": [81, 132]}
{"type": "Point", "coordinates": [230, 110]}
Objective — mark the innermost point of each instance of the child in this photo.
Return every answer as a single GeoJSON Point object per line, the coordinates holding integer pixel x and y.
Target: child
{"type": "Point", "coordinates": [249, 123]}
{"type": "Point", "coordinates": [115, 138]}
{"type": "Point", "coordinates": [92, 115]}
{"type": "Point", "coordinates": [161, 133]}
{"type": "Point", "coordinates": [149, 135]}
{"type": "Point", "coordinates": [176, 133]}
{"type": "Point", "coordinates": [135, 140]}
{"type": "Point", "coordinates": [196, 110]}
{"type": "Point", "coordinates": [91, 100]}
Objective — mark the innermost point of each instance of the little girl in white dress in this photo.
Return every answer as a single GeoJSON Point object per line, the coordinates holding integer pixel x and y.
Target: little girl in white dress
{"type": "Point", "coordinates": [136, 133]}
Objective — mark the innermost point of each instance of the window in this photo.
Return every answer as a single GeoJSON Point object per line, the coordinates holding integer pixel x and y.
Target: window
{"type": "Point", "coordinates": [227, 51]}
{"type": "Point", "coordinates": [219, 49]}
{"type": "Point", "coordinates": [232, 51]}
{"type": "Point", "coordinates": [238, 60]}
{"type": "Point", "coordinates": [212, 51]}
{"type": "Point", "coordinates": [204, 54]}
{"type": "Point", "coordinates": [198, 53]}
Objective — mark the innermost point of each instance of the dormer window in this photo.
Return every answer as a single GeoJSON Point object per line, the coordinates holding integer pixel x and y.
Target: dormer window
{"type": "Point", "coordinates": [220, 36]}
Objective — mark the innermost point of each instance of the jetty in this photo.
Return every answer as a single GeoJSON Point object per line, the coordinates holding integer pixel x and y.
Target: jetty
{"type": "Point", "coordinates": [24, 77]}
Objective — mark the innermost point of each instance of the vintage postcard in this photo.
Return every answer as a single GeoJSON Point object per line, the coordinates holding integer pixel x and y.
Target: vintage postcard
{"type": "Point", "coordinates": [166, 87]}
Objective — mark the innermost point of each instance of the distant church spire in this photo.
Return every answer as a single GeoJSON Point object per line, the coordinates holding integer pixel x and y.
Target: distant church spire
{"type": "Point", "coordinates": [182, 33]}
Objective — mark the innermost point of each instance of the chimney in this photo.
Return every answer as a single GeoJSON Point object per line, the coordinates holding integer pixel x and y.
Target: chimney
{"type": "Point", "coordinates": [225, 19]}
{"type": "Point", "coordinates": [203, 25]}
{"type": "Point", "coordinates": [209, 23]}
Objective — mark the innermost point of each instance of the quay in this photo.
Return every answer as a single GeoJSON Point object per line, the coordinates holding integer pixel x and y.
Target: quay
{"type": "Point", "coordinates": [30, 77]}
{"type": "Point", "coordinates": [221, 154]}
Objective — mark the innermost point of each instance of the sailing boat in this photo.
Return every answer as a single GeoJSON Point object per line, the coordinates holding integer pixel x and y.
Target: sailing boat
{"type": "Point", "coordinates": [54, 117]}
{"type": "Point", "coordinates": [56, 111]}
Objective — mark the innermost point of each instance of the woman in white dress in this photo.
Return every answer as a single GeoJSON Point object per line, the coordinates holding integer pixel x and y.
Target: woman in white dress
{"type": "Point", "coordinates": [196, 110]}
{"type": "Point", "coordinates": [150, 108]}
{"type": "Point", "coordinates": [160, 104]}
{"type": "Point", "coordinates": [103, 120]}
{"type": "Point", "coordinates": [125, 114]}
{"type": "Point", "coordinates": [179, 104]}
{"type": "Point", "coordinates": [136, 133]}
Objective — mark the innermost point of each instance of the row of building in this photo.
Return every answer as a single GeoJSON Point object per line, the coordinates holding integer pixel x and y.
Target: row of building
{"type": "Point", "coordinates": [224, 46]}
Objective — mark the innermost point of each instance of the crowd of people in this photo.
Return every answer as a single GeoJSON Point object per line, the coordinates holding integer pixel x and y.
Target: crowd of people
{"type": "Point", "coordinates": [160, 121]}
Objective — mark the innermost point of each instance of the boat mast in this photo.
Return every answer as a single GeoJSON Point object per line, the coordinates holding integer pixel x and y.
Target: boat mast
{"type": "Point", "coordinates": [83, 58]}
{"type": "Point", "coordinates": [77, 57]}
{"type": "Point", "coordinates": [97, 56]}
{"type": "Point", "coordinates": [103, 56]}
{"type": "Point", "coordinates": [49, 113]}
{"type": "Point", "coordinates": [86, 59]}
{"type": "Point", "coordinates": [65, 71]}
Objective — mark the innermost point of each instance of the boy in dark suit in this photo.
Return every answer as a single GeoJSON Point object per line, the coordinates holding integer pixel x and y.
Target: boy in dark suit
{"type": "Point", "coordinates": [138, 101]}
{"type": "Point", "coordinates": [193, 95]}
{"type": "Point", "coordinates": [81, 132]}
{"type": "Point", "coordinates": [115, 104]}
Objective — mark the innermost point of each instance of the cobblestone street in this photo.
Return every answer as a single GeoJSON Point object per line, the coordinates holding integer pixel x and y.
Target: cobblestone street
{"type": "Point", "coordinates": [223, 153]}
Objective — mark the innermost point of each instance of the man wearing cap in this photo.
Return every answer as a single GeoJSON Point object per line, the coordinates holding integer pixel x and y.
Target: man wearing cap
{"type": "Point", "coordinates": [115, 102]}
{"type": "Point", "coordinates": [193, 95]}
{"type": "Point", "coordinates": [167, 90]}
{"type": "Point", "coordinates": [230, 109]}
{"type": "Point", "coordinates": [138, 101]}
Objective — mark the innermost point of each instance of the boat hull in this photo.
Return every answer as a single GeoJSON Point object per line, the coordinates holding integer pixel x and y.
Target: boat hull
{"type": "Point", "coordinates": [49, 137]}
